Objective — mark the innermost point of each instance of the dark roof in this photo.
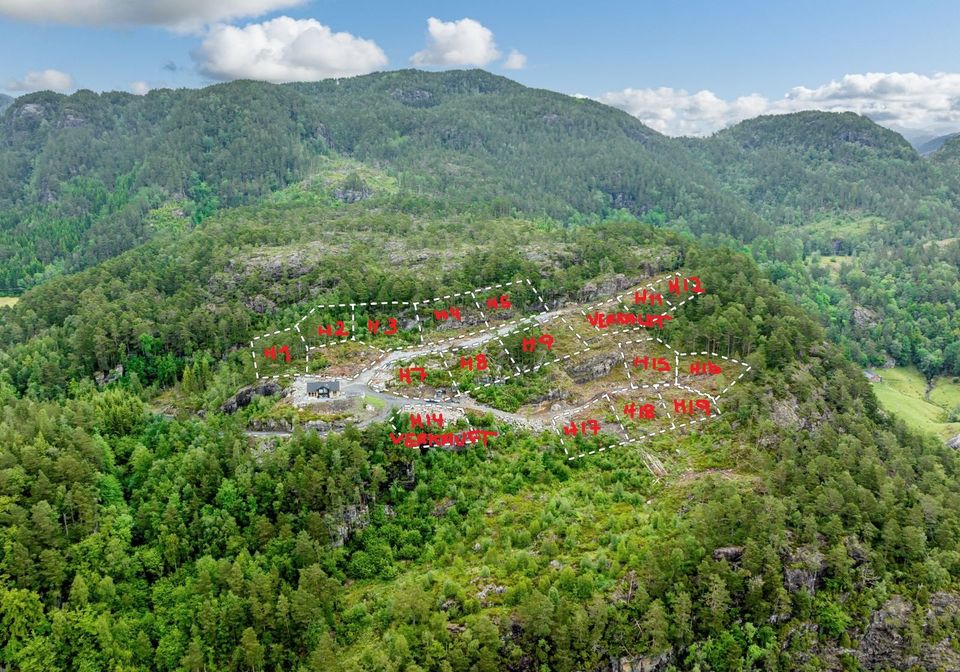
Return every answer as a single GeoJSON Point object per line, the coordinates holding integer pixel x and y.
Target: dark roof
{"type": "Point", "coordinates": [331, 385]}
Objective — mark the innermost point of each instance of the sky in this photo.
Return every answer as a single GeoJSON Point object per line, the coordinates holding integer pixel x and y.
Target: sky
{"type": "Point", "coordinates": [682, 67]}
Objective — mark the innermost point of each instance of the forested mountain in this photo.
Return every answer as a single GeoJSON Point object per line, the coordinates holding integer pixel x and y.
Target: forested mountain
{"type": "Point", "coordinates": [866, 230]}
{"type": "Point", "coordinates": [78, 174]}
{"type": "Point", "coordinates": [828, 203]}
{"type": "Point", "coordinates": [5, 102]}
{"type": "Point", "coordinates": [801, 530]}
{"type": "Point", "coordinates": [143, 527]}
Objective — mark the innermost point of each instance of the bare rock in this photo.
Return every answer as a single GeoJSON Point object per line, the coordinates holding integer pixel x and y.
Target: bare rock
{"type": "Point", "coordinates": [413, 97]}
{"type": "Point", "coordinates": [245, 395]}
{"type": "Point", "coordinates": [804, 570]}
{"type": "Point", "coordinates": [657, 663]}
{"type": "Point", "coordinates": [864, 317]}
{"type": "Point", "coordinates": [352, 195]}
{"type": "Point", "coordinates": [605, 287]}
{"type": "Point", "coordinates": [488, 590]}
{"type": "Point", "coordinates": [728, 553]}
{"type": "Point", "coordinates": [260, 304]}
{"type": "Point", "coordinates": [784, 413]}
{"type": "Point", "coordinates": [593, 367]}
{"type": "Point", "coordinates": [349, 519]}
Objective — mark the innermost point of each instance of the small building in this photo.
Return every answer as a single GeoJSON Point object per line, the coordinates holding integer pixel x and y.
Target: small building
{"type": "Point", "coordinates": [872, 377]}
{"type": "Point", "coordinates": [323, 389]}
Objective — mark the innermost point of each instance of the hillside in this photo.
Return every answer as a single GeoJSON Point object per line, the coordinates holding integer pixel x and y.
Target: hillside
{"type": "Point", "coordinates": [5, 102]}
{"type": "Point", "coordinates": [931, 146]}
{"type": "Point", "coordinates": [827, 203]}
{"type": "Point", "coordinates": [80, 174]}
{"type": "Point", "coordinates": [800, 529]}
{"type": "Point", "coordinates": [853, 204]}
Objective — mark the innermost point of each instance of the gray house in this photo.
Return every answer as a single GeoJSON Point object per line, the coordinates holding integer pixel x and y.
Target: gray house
{"type": "Point", "coordinates": [323, 389]}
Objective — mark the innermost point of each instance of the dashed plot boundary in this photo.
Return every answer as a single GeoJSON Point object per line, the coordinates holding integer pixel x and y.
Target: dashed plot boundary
{"type": "Point", "coordinates": [503, 330]}
{"type": "Point", "coordinates": [518, 322]}
{"type": "Point", "coordinates": [655, 387]}
{"type": "Point", "coordinates": [627, 439]}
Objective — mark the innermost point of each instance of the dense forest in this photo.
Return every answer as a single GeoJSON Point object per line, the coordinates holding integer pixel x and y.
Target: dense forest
{"type": "Point", "coordinates": [142, 527]}
{"type": "Point", "coordinates": [136, 542]}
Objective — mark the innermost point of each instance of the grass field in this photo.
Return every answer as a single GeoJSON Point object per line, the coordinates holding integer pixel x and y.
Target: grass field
{"type": "Point", "coordinates": [903, 392]}
{"type": "Point", "coordinates": [8, 301]}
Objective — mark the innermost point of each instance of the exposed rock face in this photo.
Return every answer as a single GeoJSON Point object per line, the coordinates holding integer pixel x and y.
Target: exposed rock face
{"type": "Point", "coordinates": [886, 645]}
{"type": "Point", "coordinates": [607, 286]}
{"type": "Point", "coordinates": [622, 200]}
{"type": "Point", "coordinates": [71, 119]}
{"type": "Point", "coordinates": [346, 521]}
{"type": "Point", "coordinates": [642, 663]}
{"type": "Point", "coordinates": [785, 413]}
{"type": "Point", "coordinates": [489, 589]}
{"type": "Point", "coordinates": [803, 569]}
{"type": "Point", "coordinates": [864, 317]}
{"type": "Point", "coordinates": [413, 97]}
{"type": "Point", "coordinates": [292, 265]}
{"type": "Point", "coordinates": [954, 442]}
{"type": "Point", "coordinates": [260, 304]}
{"type": "Point", "coordinates": [593, 367]}
{"type": "Point", "coordinates": [106, 378]}
{"type": "Point", "coordinates": [728, 553]}
{"type": "Point", "coordinates": [31, 110]}
{"type": "Point", "coordinates": [352, 195]}
{"type": "Point", "coordinates": [243, 397]}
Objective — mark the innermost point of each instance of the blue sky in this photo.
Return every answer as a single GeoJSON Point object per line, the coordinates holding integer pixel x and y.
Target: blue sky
{"type": "Point", "coordinates": [683, 67]}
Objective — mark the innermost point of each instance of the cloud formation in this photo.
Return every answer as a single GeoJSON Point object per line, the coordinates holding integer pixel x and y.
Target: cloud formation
{"type": "Point", "coordinates": [285, 50]}
{"type": "Point", "coordinates": [515, 61]}
{"type": "Point", "coordinates": [903, 101]}
{"type": "Point", "coordinates": [463, 42]}
{"type": "Point", "coordinates": [181, 15]}
{"type": "Point", "coordinates": [42, 80]}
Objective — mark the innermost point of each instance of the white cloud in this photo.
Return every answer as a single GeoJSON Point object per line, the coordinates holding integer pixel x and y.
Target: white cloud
{"type": "Point", "coordinates": [41, 80]}
{"type": "Point", "coordinates": [515, 61]}
{"type": "Point", "coordinates": [463, 42]}
{"type": "Point", "coordinates": [677, 112]}
{"type": "Point", "coordinates": [183, 15]}
{"type": "Point", "coordinates": [139, 88]}
{"type": "Point", "coordinates": [285, 50]}
{"type": "Point", "coordinates": [903, 101]}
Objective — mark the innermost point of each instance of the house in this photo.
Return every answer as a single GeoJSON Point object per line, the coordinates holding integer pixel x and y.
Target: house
{"type": "Point", "coordinates": [323, 389]}
{"type": "Point", "coordinates": [872, 377]}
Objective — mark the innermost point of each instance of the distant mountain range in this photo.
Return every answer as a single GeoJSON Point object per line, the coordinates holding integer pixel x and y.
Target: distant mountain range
{"type": "Point", "coordinates": [86, 177]}
{"type": "Point", "coordinates": [930, 146]}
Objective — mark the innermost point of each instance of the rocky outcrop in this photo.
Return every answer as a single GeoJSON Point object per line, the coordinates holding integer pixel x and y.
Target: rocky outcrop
{"type": "Point", "coordinates": [348, 520]}
{"type": "Point", "coordinates": [658, 663]}
{"type": "Point", "coordinates": [413, 97]}
{"type": "Point", "coordinates": [279, 266]}
{"type": "Point", "coordinates": [260, 304]}
{"type": "Point", "coordinates": [954, 442]}
{"type": "Point", "coordinates": [728, 553]}
{"type": "Point", "coordinates": [803, 569]}
{"type": "Point", "coordinates": [105, 378]}
{"type": "Point", "coordinates": [886, 645]}
{"type": "Point", "coordinates": [864, 317]}
{"type": "Point", "coordinates": [593, 367]}
{"type": "Point", "coordinates": [606, 287]}
{"type": "Point", "coordinates": [243, 397]}
{"type": "Point", "coordinates": [352, 195]}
